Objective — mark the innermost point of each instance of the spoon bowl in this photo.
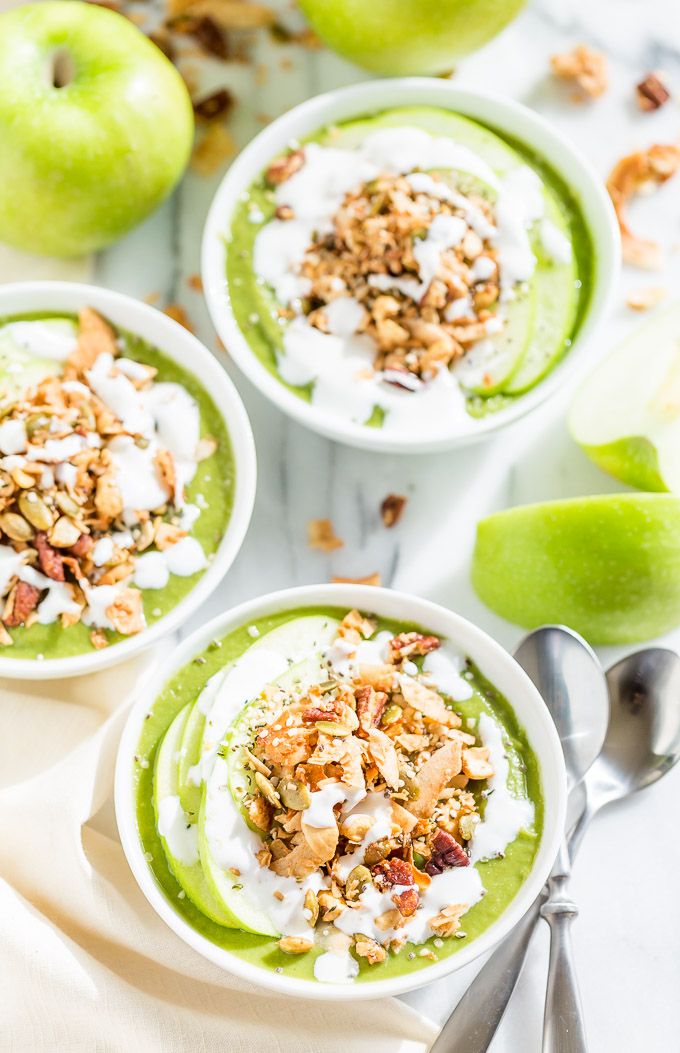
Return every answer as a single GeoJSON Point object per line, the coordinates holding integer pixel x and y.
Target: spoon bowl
{"type": "Point", "coordinates": [643, 741]}
{"type": "Point", "coordinates": [569, 677]}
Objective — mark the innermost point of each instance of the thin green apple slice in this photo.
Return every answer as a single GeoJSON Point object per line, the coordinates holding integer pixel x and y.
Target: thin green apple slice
{"type": "Point", "coordinates": [21, 367]}
{"type": "Point", "coordinates": [556, 303]}
{"type": "Point", "coordinates": [227, 845]}
{"type": "Point", "coordinates": [626, 416]}
{"type": "Point", "coordinates": [607, 566]}
{"type": "Point", "coordinates": [490, 365]}
{"type": "Point", "coordinates": [165, 789]}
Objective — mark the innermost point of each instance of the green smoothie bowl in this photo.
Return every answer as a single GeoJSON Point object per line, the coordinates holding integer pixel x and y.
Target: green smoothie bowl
{"type": "Point", "coordinates": [127, 477]}
{"type": "Point", "coordinates": [340, 791]}
{"type": "Point", "coordinates": [407, 266]}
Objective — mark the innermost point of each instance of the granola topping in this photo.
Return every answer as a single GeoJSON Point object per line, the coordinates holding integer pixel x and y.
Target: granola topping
{"type": "Point", "coordinates": [395, 274]}
{"type": "Point", "coordinates": [95, 458]}
{"type": "Point", "coordinates": [366, 806]}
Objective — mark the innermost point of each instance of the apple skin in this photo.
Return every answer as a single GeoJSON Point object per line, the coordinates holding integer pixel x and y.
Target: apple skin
{"type": "Point", "coordinates": [408, 36]}
{"type": "Point", "coordinates": [608, 567]}
{"type": "Point", "coordinates": [633, 460]}
{"type": "Point", "coordinates": [82, 164]}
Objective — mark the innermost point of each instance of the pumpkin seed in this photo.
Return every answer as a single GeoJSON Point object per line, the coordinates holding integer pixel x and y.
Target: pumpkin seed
{"type": "Point", "coordinates": [295, 794]}
{"type": "Point", "coordinates": [333, 727]}
{"type": "Point", "coordinates": [267, 789]}
{"type": "Point", "coordinates": [23, 479]}
{"type": "Point", "coordinates": [146, 535]}
{"type": "Point", "coordinates": [67, 504]}
{"type": "Point", "coordinates": [378, 851]}
{"type": "Point", "coordinates": [34, 509]}
{"type": "Point", "coordinates": [467, 825]}
{"type": "Point", "coordinates": [392, 714]}
{"type": "Point", "coordinates": [312, 905]}
{"type": "Point", "coordinates": [35, 422]}
{"type": "Point", "coordinates": [16, 527]}
{"type": "Point", "coordinates": [356, 882]}
{"type": "Point", "coordinates": [64, 533]}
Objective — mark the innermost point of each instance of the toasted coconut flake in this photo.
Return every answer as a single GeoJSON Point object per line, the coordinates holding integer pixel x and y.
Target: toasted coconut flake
{"type": "Point", "coordinates": [95, 337]}
{"type": "Point", "coordinates": [322, 536]}
{"type": "Point", "coordinates": [322, 840]}
{"type": "Point", "coordinates": [436, 774]}
{"type": "Point", "coordinates": [179, 315]}
{"type": "Point", "coordinates": [645, 168]}
{"type": "Point", "coordinates": [428, 702]}
{"type": "Point", "coordinates": [167, 534]}
{"type": "Point", "coordinates": [165, 466]}
{"type": "Point", "coordinates": [476, 764]}
{"type": "Point", "coordinates": [369, 579]}
{"type": "Point", "coordinates": [645, 299]}
{"type": "Point", "coordinates": [384, 754]}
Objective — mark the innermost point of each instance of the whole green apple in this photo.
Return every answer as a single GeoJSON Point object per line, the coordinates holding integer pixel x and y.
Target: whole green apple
{"type": "Point", "coordinates": [96, 126]}
{"type": "Point", "coordinates": [608, 567]}
{"type": "Point", "coordinates": [408, 36]}
{"type": "Point", "coordinates": [627, 414]}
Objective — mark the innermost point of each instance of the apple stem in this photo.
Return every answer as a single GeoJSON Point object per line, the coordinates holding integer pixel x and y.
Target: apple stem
{"type": "Point", "coordinates": [62, 70]}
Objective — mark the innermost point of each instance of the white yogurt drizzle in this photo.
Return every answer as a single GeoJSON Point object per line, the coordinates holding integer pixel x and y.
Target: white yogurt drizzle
{"type": "Point", "coordinates": [164, 415]}
{"type": "Point", "coordinates": [233, 845]}
{"type": "Point", "coordinates": [339, 363]}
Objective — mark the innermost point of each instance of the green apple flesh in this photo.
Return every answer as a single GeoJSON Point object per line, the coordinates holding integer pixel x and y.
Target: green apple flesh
{"type": "Point", "coordinates": [608, 567]}
{"type": "Point", "coordinates": [96, 127]}
{"type": "Point", "coordinates": [408, 36]}
{"type": "Point", "coordinates": [627, 414]}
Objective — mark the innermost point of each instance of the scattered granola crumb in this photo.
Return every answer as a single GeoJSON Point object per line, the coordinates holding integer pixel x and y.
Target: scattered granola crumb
{"type": "Point", "coordinates": [195, 282]}
{"type": "Point", "coordinates": [370, 579]}
{"type": "Point", "coordinates": [211, 151]}
{"type": "Point", "coordinates": [98, 639]}
{"type": "Point", "coordinates": [633, 173]}
{"type": "Point", "coordinates": [178, 314]}
{"type": "Point", "coordinates": [229, 14]}
{"type": "Point", "coordinates": [392, 509]}
{"type": "Point", "coordinates": [652, 93]}
{"type": "Point", "coordinates": [152, 297]}
{"type": "Point", "coordinates": [645, 299]}
{"type": "Point", "coordinates": [584, 67]}
{"type": "Point", "coordinates": [321, 535]}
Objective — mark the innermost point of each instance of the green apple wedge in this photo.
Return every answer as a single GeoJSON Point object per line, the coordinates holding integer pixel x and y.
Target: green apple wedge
{"type": "Point", "coordinates": [408, 36]}
{"type": "Point", "coordinates": [20, 368]}
{"type": "Point", "coordinates": [608, 566]}
{"type": "Point", "coordinates": [96, 127]}
{"type": "Point", "coordinates": [165, 784]}
{"type": "Point", "coordinates": [626, 416]}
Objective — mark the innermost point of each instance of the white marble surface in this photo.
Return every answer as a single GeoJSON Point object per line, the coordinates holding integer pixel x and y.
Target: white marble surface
{"type": "Point", "coordinates": [627, 936]}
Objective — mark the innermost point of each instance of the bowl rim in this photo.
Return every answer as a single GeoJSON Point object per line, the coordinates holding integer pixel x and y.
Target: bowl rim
{"type": "Point", "coordinates": [381, 600]}
{"type": "Point", "coordinates": [188, 351]}
{"type": "Point", "coordinates": [506, 116]}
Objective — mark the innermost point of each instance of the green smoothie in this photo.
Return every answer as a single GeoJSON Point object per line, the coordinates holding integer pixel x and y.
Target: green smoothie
{"type": "Point", "coordinates": [210, 709]}
{"type": "Point", "coordinates": [209, 491]}
{"type": "Point", "coordinates": [303, 274]}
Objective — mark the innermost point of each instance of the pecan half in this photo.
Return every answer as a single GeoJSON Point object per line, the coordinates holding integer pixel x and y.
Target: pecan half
{"type": "Point", "coordinates": [406, 644]}
{"type": "Point", "coordinates": [370, 706]}
{"type": "Point", "coordinates": [25, 600]}
{"type": "Point", "coordinates": [328, 709]}
{"type": "Point", "coordinates": [51, 562]}
{"type": "Point", "coordinates": [446, 853]}
{"type": "Point", "coordinates": [210, 107]}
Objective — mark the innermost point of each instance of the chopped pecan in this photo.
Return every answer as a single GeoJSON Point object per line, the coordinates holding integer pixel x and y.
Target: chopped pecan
{"type": "Point", "coordinates": [407, 901]}
{"type": "Point", "coordinates": [21, 602]}
{"type": "Point", "coordinates": [391, 872]}
{"type": "Point", "coordinates": [392, 509]}
{"type": "Point", "coordinates": [652, 93]}
{"type": "Point", "coordinates": [51, 562]}
{"type": "Point", "coordinates": [82, 547]}
{"type": "Point", "coordinates": [407, 644]}
{"type": "Point", "coordinates": [370, 705]}
{"type": "Point", "coordinates": [446, 853]}
{"type": "Point", "coordinates": [284, 167]}
{"type": "Point", "coordinates": [218, 104]}
{"type": "Point", "coordinates": [328, 709]}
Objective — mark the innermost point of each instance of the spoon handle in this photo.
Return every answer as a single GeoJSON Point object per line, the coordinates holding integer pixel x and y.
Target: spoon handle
{"type": "Point", "coordinates": [474, 1021]}
{"type": "Point", "coordinates": [563, 1028]}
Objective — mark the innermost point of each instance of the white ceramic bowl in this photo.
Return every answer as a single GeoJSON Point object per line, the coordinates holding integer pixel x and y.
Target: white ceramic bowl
{"type": "Point", "coordinates": [359, 100]}
{"type": "Point", "coordinates": [180, 346]}
{"type": "Point", "coordinates": [494, 662]}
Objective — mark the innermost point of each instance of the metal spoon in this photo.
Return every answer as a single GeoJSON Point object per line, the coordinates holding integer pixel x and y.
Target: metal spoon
{"type": "Point", "coordinates": [569, 677]}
